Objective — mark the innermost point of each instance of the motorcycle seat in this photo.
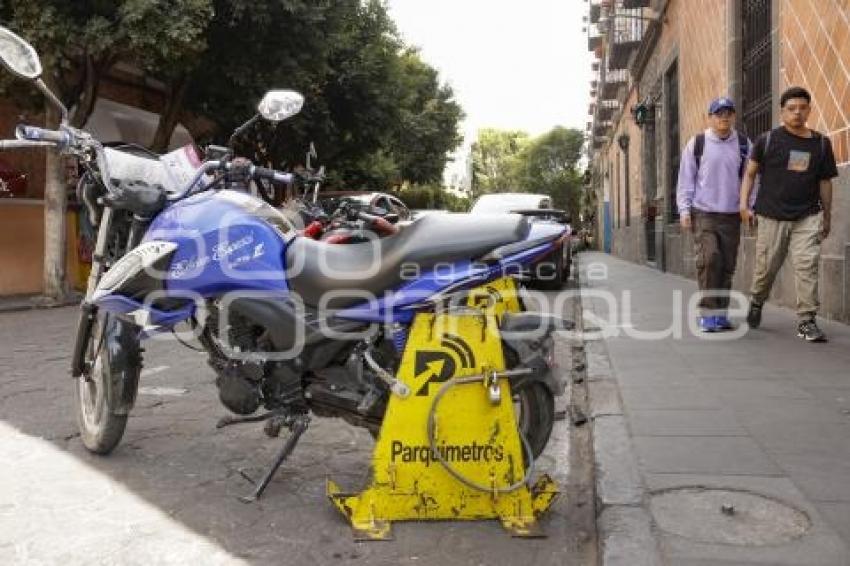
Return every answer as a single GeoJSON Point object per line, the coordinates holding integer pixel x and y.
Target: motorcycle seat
{"type": "Point", "coordinates": [316, 268]}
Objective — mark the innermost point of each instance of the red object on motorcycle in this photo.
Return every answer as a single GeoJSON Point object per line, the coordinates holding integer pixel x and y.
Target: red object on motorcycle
{"type": "Point", "coordinates": [384, 226]}
{"type": "Point", "coordinates": [313, 230]}
{"type": "Point", "coordinates": [338, 239]}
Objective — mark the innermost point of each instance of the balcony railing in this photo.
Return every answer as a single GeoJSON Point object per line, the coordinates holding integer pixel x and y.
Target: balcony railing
{"type": "Point", "coordinates": [606, 109]}
{"type": "Point", "coordinates": [601, 127]}
{"type": "Point", "coordinates": [614, 79]}
{"type": "Point", "coordinates": [627, 27]}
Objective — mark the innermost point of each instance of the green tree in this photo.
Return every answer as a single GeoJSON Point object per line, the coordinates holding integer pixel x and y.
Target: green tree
{"type": "Point", "coordinates": [432, 196]}
{"type": "Point", "coordinates": [81, 41]}
{"type": "Point", "coordinates": [376, 112]}
{"type": "Point", "coordinates": [549, 164]}
{"type": "Point", "coordinates": [494, 160]}
{"type": "Point", "coordinates": [510, 161]}
{"type": "Point", "coordinates": [427, 128]}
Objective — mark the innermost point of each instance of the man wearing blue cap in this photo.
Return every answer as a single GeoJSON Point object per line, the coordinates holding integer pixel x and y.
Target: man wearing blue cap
{"type": "Point", "coordinates": [707, 196]}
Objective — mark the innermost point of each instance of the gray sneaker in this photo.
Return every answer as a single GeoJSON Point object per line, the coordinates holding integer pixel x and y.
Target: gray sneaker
{"type": "Point", "coordinates": [809, 331]}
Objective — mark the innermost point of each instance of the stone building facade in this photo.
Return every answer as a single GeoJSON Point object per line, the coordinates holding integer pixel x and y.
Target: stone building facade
{"type": "Point", "coordinates": [659, 64]}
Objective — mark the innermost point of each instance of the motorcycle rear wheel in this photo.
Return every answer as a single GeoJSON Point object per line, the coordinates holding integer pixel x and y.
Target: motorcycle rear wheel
{"type": "Point", "coordinates": [97, 393]}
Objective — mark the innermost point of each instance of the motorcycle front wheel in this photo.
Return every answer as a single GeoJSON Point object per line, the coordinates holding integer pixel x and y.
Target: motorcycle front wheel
{"type": "Point", "coordinates": [101, 393]}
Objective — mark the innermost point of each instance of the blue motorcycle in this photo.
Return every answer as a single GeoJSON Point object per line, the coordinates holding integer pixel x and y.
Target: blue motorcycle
{"type": "Point", "coordinates": [291, 325]}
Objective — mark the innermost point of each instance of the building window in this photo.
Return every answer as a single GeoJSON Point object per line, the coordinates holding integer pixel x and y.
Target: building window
{"type": "Point", "coordinates": [671, 78]}
{"type": "Point", "coordinates": [756, 103]}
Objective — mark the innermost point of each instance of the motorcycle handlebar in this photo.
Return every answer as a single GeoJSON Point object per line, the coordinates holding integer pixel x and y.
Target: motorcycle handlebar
{"type": "Point", "coordinates": [34, 133]}
{"type": "Point", "coordinates": [271, 175]}
{"type": "Point", "coordinates": [23, 144]}
{"type": "Point", "coordinates": [34, 136]}
{"type": "Point", "coordinates": [215, 165]}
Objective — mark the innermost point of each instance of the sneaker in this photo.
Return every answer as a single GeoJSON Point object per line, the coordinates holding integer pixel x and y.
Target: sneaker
{"type": "Point", "coordinates": [723, 323]}
{"type": "Point", "coordinates": [809, 330]}
{"type": "Point", "coordinates": [754, 315]}
{"type": "Point", "coordinates": [707, 324]}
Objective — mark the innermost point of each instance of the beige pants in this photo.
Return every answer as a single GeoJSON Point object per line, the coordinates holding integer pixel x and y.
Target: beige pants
{"type": "Point", "coordinates": [775, 240]}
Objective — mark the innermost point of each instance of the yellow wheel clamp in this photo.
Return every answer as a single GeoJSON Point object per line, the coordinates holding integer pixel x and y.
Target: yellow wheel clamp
{"type": "Point", "coordinates": [450, 448]}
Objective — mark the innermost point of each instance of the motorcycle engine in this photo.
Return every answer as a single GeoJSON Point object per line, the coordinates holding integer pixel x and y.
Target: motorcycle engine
{"type": "Point", "coordinates": [238, 387]}
{"type": "Point", "coordinates": [243, 384]}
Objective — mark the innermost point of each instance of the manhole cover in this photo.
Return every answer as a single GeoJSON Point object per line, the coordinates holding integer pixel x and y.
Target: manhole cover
{"type": "Point", "coordinates": [727, 517]}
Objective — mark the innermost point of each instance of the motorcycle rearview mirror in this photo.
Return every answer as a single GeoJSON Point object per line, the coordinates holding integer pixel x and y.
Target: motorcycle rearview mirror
{"type": "Point", "coordinates": [22, 59]}
{"type": "Point", "coordinates": [19, 56]}
{"type": "Point", "coordinates": [278, 105]}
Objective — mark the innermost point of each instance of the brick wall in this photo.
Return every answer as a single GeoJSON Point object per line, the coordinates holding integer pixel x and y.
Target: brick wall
{"type": "Point", "coordinates": [816, 55]}
{"type": "Point", "coordinates": [702, 61]}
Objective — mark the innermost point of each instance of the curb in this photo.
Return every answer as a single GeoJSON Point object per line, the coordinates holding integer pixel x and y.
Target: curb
{"type": "Point", "coordinates": [623, 522]}
{"type": "Point", "coordinates": [37, 302]}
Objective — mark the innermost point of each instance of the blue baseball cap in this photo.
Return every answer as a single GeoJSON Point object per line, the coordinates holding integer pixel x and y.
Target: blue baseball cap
{"type": "Point", "coordinates": [719, 104]}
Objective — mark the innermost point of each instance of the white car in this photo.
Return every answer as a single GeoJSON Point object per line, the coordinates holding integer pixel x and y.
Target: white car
{"type": "Point", "coordinates": [553, 270]}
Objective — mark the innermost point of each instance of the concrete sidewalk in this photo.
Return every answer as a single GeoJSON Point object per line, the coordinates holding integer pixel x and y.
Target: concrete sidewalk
{"type": "Point", "coordinates": [684, 426]}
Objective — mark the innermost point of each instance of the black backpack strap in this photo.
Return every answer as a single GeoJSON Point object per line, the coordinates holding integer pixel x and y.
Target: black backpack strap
{"type": "Point", "coordinates": [764, 153]}
{"type": "Point", "coordinates": [699, 147]}
{"type": "Point", "coordinates": [744, 149]}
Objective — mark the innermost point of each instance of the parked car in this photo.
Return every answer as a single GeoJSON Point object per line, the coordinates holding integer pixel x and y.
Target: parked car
{"type": "Point", "coordinates": [420, 212]}
{"type": "Point", "coordinates": [549, 272]}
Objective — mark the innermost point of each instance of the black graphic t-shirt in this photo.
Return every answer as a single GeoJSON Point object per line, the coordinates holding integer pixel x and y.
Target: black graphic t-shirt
{"type": "Point", "coordinates": [791, 172]}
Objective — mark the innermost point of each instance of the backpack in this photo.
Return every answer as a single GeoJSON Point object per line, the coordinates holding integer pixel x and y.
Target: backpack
{"type": "Point", "coordinates": [743, 147]}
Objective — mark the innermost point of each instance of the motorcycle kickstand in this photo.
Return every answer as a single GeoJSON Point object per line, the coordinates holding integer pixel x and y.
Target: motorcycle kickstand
{"type": "Point", "coordinates": [297, 427]}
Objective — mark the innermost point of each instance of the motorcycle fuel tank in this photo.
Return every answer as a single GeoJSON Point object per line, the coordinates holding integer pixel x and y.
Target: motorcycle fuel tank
{"type": "Point", "coordinates": [226, 241]}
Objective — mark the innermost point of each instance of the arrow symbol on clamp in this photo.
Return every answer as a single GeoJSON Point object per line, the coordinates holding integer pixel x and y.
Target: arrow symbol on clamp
{"type": "Point", "coordinates": [432, 366]}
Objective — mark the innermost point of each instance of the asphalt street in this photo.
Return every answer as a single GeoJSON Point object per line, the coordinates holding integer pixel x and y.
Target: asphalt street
{"type": "Point", "coordinates": [168, 494]}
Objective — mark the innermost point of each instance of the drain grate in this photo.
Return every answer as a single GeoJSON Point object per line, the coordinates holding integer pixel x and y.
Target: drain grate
{"type": "Point", "coordinates": [725, 516]}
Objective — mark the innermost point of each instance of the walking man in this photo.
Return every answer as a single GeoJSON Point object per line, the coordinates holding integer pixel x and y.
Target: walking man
{"type": "Point", "coordinates": [707, 196]}
{"type": "Point", "coordinates": [793, 208]}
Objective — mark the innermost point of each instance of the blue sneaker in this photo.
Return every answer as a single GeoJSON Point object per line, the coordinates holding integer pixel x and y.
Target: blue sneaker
{"type": "Point", "coordinates": [707, 323]}
{"type": "Point", "coordinates": [723, 323]}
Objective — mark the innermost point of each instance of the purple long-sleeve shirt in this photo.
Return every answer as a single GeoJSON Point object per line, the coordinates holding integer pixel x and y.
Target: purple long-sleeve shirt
{"type": "Point", "coordinates": [716, 187]}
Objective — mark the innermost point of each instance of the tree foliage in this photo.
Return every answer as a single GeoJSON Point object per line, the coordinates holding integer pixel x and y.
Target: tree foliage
{"type": "Point", "coordinates": [377, 113]}
{"type": "Point", "coordinates": [81, 41]}
{"type": "Point", "coordinates": [432, 196]}
{"type": "Point", "coordinates": [510, 161]}
{"type": "Point", "coordinates": [494, 160]}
